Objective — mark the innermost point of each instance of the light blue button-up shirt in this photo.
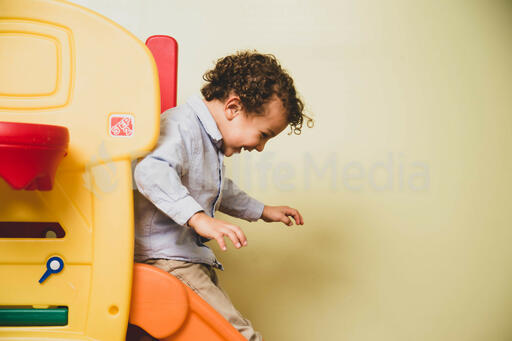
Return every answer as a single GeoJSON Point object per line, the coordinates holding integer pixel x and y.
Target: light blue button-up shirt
{"type": "Point", "coordinates": [183, 175]}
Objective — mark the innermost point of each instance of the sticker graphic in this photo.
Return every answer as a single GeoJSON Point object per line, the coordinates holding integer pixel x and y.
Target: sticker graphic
{"type": "Point", "coordinates": [121, 125]}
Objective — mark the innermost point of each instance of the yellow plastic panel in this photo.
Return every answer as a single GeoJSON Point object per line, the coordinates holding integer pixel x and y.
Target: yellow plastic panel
{"type": "Point", "coordinates": [36, 64]}
{"type": "Point", "coordinates": [98, 256]}
{"type": "Point", "coordinates": [18, 51]}
{"type": "Point", "coordinates": [52, 206]}
{"type": "Point", "coordinates": [70, 288]}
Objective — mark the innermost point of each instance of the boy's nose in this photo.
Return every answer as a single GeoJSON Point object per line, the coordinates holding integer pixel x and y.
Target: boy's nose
{"type": "Point", "coordinates": [260, 147]}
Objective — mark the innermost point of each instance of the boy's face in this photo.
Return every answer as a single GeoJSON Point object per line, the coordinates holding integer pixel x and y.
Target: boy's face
{"type": "Point", "coordinates": [243, 131]}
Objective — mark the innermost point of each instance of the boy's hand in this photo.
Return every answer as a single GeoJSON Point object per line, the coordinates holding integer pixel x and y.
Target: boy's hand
{"type": "Point", "coordinates": [212, 228]}
{"type": "Point", "coordinates": [281, 213]}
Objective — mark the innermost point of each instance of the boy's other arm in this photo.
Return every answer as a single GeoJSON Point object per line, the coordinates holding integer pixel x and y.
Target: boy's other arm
{"type": "Point", "coordinates": [217, 229]}
{"type": "Point", "coordinates": [158, 175]}
{"type": "Point", "coordinates": [239, 204]}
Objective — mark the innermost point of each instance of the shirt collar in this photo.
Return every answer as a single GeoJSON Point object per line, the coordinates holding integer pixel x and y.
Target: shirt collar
{"type": "Point", "coordinates": [206, 118]}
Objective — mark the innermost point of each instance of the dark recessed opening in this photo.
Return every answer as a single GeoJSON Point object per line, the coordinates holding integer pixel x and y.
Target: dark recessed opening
{"type": "Point", "coordinates": [11, 229]}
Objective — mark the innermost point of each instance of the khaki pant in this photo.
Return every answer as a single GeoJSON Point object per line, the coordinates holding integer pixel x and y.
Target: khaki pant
{"type": "Point", "coordinates": [203, 280]}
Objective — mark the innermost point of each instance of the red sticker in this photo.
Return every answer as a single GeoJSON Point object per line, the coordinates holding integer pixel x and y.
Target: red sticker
{"type": "Point", "coordinates": [121, 125]}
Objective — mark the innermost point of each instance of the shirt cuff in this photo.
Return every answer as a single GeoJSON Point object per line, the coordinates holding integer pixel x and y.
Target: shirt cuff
{"type": "Point", "coordinates": [182, 210]}
{"type": "Point", "coordinates": [254, 210]}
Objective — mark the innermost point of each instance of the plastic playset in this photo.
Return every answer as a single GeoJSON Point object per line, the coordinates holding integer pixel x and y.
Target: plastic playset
{"type": "Point", "coordinates": [80, 97]}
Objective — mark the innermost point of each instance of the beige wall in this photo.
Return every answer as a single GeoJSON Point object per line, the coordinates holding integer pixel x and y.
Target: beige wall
{"type": "Point", "coordinates": [404, 182]}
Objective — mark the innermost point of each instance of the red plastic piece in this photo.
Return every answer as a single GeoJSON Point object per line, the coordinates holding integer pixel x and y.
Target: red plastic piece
{"type": "Point", "coordinates": [165, 53]}
{"type": "Point", "coordinates": [31, 153]}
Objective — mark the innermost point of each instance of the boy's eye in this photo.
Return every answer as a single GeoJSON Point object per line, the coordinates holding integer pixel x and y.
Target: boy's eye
{"type": "Point", "coordinates": [263, 135]}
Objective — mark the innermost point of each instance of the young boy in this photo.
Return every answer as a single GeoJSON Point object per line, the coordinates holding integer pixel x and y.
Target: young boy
{"type": "Point", "coordinates": [248, 99]}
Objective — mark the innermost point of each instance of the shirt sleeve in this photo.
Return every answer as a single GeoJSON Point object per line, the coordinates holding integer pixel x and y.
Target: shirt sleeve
{"type": "Point", "coordinates": [237, 203]}
{"type": "Point", "coordinates": [158, 175]}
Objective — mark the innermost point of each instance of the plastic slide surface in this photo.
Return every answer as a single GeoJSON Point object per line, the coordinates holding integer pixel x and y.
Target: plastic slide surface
{"type": "Point", "coordinates": [169, 310]}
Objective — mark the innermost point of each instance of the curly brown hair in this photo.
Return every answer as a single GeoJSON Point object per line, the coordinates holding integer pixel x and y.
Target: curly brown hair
{"type": "Point", "coordinates": [255, 78]}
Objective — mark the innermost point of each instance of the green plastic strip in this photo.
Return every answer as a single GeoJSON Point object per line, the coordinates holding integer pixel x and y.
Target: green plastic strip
{"type": "Point", "coordinates": [34, 317]}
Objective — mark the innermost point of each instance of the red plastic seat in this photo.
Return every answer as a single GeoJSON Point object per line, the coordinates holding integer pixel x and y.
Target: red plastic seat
{"type": "Point", "coordinates": [31, 153]}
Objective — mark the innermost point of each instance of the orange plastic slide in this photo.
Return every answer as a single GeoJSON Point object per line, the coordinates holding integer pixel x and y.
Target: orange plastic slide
{"type": "Point", "coordinates": [169, 310]}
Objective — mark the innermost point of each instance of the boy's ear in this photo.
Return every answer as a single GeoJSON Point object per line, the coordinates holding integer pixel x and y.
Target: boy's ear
{"type": "Point", "coordinates": [232, 107]}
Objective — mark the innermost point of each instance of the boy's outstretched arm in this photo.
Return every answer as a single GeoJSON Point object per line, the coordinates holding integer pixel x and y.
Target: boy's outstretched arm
{"type": "Point", "coordinates": [237, 203]}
